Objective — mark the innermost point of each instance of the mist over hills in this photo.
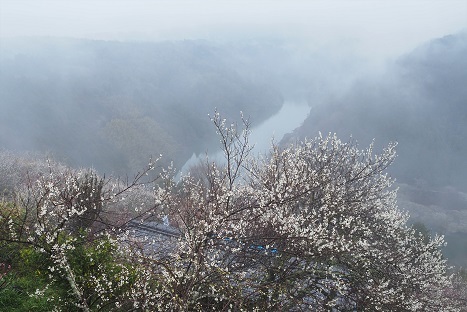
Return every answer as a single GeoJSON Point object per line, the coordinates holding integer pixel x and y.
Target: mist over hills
{"type": "Point", "coordinates": [420, 102]}
{"type": "Point", "coordinates": [112, 104]}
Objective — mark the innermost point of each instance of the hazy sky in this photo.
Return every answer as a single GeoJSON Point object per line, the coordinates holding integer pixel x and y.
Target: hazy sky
{"type": "Point", "coordinates": [383, 28]}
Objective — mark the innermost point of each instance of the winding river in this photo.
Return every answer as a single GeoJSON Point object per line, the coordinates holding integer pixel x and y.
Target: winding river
{"type": "Point", "coordinates": [289, 117]}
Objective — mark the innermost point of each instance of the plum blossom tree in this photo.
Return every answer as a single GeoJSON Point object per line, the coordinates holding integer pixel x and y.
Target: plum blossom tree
{"type": "Point", "coordinates": [67, 225]}
{"type": "Point", "coordinates": [313, 226]}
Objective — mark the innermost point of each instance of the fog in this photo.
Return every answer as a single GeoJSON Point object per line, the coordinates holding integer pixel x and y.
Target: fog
{"type": "Point", "coordinates": [376, 29]}
{"type": "Point", "coordinates": [108, 84]}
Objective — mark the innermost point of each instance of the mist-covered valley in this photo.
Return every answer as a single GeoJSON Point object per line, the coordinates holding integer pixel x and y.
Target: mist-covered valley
{"type": "Point", "coordinates": [113, 105]}
{"type": "Point", "coordinates": [233, 155]}
{"type": "Point", "coordinates": [109, 85]}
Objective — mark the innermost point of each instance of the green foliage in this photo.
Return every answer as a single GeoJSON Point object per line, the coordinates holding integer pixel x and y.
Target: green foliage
{"type": "Point", "coordinates": [15, 299]}
{"type": "Point", "coordinates": [98, 270]}
{"type": "Point", "coordinates": [89, 261]}
{"type": "Point", "coordinates": [28, 274]}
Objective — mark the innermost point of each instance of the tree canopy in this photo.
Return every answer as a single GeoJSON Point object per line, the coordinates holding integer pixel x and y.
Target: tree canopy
{"type": "Point", "coordinates": [313, 226]}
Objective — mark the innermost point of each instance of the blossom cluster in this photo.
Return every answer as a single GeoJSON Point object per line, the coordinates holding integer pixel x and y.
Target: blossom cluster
{"type": "Point", "coordinates": [313, 226]}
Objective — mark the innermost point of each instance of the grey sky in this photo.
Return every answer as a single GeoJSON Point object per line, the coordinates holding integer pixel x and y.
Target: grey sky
{"type": "Point", "coordinates": [377, 28]}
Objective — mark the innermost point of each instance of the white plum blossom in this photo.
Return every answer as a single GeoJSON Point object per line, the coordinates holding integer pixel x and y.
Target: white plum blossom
{"type": "Point", "coordinates": [313, 226]}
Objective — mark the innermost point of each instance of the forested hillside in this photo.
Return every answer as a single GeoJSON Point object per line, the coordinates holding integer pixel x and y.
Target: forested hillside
{"type": "Point", "coordinates": [112, 105]}
{"type": "Point", "coordinates": [420, 102]}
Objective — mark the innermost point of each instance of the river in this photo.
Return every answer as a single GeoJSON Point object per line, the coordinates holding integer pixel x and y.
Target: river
{"type": "Point", "coordinates": [289, 117]}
